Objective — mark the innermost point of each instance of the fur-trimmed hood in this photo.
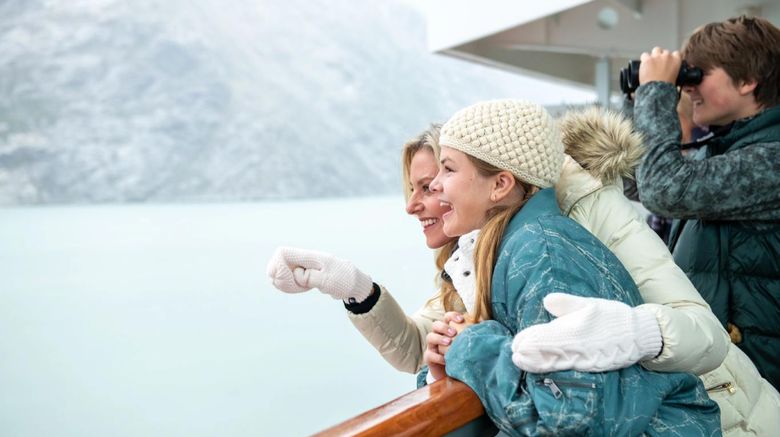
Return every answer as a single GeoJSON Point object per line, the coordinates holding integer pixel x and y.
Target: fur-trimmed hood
{"type": "Point", "coordinates": [601, 147]}
{"type": "Point", "coordinates": [602, 142]}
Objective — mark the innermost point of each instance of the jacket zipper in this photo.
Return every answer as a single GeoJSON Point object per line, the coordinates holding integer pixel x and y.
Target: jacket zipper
{"type": "Point", "coordinates": [724, 386]}
{"type": "Point", "coordinates": [556, 391]}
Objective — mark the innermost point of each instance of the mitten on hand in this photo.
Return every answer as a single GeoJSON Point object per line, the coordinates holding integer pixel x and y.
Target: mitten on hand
{"type": "Point", "coordinates": [296, 270]}
{"type": "Point", "coordinates": [589, 335]}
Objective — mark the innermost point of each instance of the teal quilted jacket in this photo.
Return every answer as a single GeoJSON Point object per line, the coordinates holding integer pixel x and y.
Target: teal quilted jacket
{"type": "Point", "coordinates": [544, 252]}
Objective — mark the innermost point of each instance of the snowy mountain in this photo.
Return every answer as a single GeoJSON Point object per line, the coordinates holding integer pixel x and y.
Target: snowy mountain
{"type": "Point", "coordinates": [207, 100]}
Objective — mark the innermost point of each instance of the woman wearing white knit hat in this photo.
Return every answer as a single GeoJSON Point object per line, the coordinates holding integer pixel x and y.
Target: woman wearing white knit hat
{"type": "Point", "coordinates": [498, 162]}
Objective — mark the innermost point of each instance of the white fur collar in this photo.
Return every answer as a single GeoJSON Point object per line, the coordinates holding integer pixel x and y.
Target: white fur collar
{"type": "Point", "coordinates": [460, 267]}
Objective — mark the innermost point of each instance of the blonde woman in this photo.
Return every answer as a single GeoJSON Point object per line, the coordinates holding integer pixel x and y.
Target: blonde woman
{"type": "Point", "coordinates": [498, 162]}
{"type": "Point", "coordinates": [399, 338]}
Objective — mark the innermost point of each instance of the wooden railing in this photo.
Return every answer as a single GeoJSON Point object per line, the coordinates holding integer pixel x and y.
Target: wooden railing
{"type": "Point", "coordinates": [444, 407]}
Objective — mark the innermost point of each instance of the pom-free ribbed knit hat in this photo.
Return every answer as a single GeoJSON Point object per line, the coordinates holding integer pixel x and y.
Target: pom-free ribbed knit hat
{"type": "Point", "coordinates": [514, 135]}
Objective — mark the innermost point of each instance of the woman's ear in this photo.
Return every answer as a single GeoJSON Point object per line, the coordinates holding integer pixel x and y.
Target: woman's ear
{"type": "Point", "coordinates": [503, 184]}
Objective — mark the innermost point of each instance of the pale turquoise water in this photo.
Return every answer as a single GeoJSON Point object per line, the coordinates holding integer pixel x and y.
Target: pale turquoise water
{"type": "Point", "coordinates": [159, 320]}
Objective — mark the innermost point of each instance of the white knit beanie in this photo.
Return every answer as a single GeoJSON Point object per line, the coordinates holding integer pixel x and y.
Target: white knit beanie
{"type": "Point", "coordinates": [514, 135]}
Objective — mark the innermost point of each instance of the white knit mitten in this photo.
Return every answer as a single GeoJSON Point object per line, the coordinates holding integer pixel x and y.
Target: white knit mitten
{"type": "Point", "coordinates": [296, 270]}
{"type": "Point", "coordinates": [589, 335]}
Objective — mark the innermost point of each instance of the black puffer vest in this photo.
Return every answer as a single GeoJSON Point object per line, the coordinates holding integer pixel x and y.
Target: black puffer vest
{"type": "Point", "coordinates": [735, 265]}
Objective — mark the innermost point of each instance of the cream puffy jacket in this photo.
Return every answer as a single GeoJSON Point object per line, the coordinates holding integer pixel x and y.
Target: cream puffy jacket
{"type": "Point", "coordinates": [749, 405]}
{"type": "Point", "coordinates": [694, 340]}
{"type": "Point", "coordinates": [398, 337]}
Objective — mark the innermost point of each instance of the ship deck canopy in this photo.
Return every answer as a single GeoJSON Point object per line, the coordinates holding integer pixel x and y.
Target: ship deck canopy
{"type": "Point", "coordinates": [581, 42]}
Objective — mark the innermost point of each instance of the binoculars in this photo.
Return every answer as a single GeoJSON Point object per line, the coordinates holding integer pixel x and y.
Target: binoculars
{"type": "Point", "coordinates": [629, 76]}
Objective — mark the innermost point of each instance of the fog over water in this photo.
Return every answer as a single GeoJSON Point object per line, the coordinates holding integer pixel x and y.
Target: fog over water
{"type": "Point", "coordinates": [159, 320]}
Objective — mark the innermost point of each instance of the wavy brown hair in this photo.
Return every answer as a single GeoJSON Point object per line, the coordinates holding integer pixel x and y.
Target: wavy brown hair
{"type": "Point", "coordinates": [747, 48]}
{"type": "Point", "coordinates": [428, 140]}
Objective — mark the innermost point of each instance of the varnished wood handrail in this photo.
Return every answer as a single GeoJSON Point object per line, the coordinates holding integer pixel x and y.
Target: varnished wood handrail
{"type": "Point", "coordinates": [434, 410]}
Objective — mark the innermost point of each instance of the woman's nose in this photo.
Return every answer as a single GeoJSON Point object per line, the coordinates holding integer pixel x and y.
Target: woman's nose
{"type": "Point", "coordinates": [413, 206]}
{"type": "Point", "coordinates": [435, 185]}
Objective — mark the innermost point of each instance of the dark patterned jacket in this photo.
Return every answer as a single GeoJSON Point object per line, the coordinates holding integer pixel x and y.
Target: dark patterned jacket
{"type": "Point", "coordinates": [727, 202]}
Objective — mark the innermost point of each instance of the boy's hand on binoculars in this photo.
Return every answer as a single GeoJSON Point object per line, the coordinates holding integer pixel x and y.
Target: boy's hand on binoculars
{"type": "Point", "coordinates": [659, 65]}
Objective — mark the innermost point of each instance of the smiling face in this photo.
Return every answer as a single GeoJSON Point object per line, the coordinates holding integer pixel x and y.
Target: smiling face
{"type": "Point", "coordinates": [718, 101]}
{"type": "Point", "coordinates": [423, 203]}
{"type": "Point", "coordinates": [461, 187]}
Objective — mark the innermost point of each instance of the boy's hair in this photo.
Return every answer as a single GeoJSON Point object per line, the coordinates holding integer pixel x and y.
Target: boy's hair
{"type": "Point", "coordinates": [747, 48]}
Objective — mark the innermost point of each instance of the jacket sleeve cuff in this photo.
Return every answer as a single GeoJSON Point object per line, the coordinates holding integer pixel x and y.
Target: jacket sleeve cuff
{"type": "Point", "coordinates": [648, 339]}
{"type": "Point", "coordinates": [355, 307]}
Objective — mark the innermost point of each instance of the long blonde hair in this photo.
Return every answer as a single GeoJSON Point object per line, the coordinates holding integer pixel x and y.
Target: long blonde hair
{"type": "Point", "coordinates": [429, 140]}
{"type": "Point", "coordinates": [486, 249]}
